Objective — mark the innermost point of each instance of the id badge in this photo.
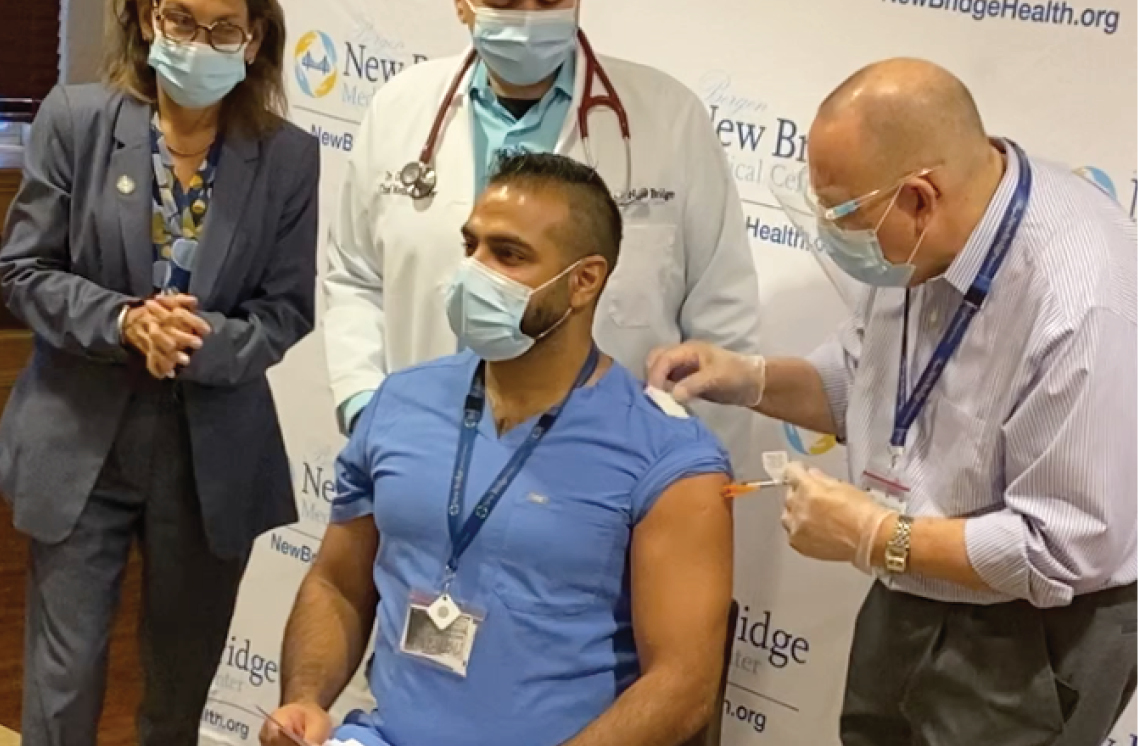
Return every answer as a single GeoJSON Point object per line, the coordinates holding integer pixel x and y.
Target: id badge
{"type": "Point", "coordinates": [886, 486]}
{"type": "Point", "coordinates": [444, 640]}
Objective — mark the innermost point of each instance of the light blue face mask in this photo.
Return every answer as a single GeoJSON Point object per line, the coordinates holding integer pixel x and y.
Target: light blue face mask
{"type": "Point", "coordinates": [858, 253]}
{"type": "Point", "coordinates": [485, 311]}
{"type": "Point", "coordinates": [524, 47]}
{"type": "Point", "coordinates": [193, 74]}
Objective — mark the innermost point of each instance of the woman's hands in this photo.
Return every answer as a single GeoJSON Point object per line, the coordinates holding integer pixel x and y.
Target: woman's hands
{"type": "Point", "coordinates": [165, 329]}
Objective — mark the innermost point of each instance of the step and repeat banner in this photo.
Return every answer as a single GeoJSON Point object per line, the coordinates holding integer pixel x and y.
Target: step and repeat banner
{"type": "Point", "coordinates": [1057, 77]}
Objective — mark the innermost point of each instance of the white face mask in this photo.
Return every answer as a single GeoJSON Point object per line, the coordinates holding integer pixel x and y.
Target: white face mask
{"type": "Point", "coordinates": [485, 310]}
{"type": "Point", "coordinates": [858, 253]}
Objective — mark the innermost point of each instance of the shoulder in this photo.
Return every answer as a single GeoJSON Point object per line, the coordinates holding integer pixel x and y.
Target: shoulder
{"type": "Point", "coordinates": [288, 139]}
{"type": "Point", "coordinates": [425, 81]}
{"type": "Point", "coordinates": [441, 374]}
{"type": "Point", "coordinates": [1079, 246]}
{"type": "Point", "coordinates": [434, 386]}
{"type": "Point", "coordinates": [655, 448]}
{"type": "Point", "coordinates": [84, 106]}
{"type": "Point", "coordinates": [290, 158]}
{"type": "Point", "coordinates": [662, 435]}
{"type": "Point", "coordinates": [402, 109]}
{"type": "Point", "coordinates": [649, 89]}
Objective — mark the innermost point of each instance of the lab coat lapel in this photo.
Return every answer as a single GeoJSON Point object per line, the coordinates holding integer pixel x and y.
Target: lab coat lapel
{"type": "Point", "coordinates": [455, 157]}
{"type": "Point", "coordinates": [236, 168]}
{"type": "Point", "coordinates": [569, 137]}
{"type": "Point", "coordinates": [131, 176]}
{"type": "Point", "coordinates": [605, 150]}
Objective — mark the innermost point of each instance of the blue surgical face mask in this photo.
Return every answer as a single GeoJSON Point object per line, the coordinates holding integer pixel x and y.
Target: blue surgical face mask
{"type": "Point", "coordinates": [485, 310]}
{"type": "Point", "coordinates": [524, 47]}
{"type": "Point", "coordinates": [858, 253]}
{"type": "Point", "coordinates": [193, 74]}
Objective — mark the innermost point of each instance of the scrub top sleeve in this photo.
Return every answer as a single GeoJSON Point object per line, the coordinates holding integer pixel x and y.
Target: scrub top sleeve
{"type": "Point", "coordinates": [694, 452]}
{"type": "Point", "coordinates": [355, 488]}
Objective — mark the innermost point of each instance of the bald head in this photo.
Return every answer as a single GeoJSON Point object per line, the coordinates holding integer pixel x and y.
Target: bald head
{"type": "Point", "coordinates": [905, 134]}
{"type": "Point", "coordinates": [898, 116]}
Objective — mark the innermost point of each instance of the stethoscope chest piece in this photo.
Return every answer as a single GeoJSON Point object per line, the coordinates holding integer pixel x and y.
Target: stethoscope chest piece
{"type": "Point", "coordinates": [419, 178]}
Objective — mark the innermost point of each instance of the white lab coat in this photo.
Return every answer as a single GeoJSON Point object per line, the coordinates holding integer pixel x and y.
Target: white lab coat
{"type": "Point", "coordinates": [685, 269]}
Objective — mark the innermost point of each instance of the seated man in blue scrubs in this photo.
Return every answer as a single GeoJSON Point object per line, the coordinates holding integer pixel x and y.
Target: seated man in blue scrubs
{"type": "Point", "coordinates": [546, 549]}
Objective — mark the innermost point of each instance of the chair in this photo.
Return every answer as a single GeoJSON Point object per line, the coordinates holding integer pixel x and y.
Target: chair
{"type": "Point", "coordinates": [710, 734]}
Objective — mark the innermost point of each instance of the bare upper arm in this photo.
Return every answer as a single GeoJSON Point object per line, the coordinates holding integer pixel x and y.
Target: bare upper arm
{"type": "Point", "coordinates": [346, 560]}
{"type": "Point", "coordinates": [682, 563]}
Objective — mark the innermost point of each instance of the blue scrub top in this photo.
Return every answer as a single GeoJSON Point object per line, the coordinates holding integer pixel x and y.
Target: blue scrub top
{"type": "Point", "coordinates": [549, 568]}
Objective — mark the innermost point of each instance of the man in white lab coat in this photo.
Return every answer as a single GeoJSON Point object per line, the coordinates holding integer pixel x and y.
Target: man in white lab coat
{"type": "Point", "coordinates": [686, 269]}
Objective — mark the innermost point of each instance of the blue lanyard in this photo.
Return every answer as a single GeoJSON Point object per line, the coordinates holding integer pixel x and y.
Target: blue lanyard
{"type": "Point", "coordinates": [910, 406]}
{"type": "Point", "coordinates": [462, 534]}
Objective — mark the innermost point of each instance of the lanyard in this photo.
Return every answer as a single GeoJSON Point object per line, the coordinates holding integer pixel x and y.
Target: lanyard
{"type": "Point", "coordinates": [910, 406]}
{"type": "Point", "coordinates": [462, 534]}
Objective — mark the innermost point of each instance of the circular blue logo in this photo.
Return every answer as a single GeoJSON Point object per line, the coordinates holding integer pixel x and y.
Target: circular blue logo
{"type": "Point", "coordinates": [1099, 178]}
{"type": "Point", "coordinates": [814, 446]}
{"type": "Point", "coordinates": [315, 64]}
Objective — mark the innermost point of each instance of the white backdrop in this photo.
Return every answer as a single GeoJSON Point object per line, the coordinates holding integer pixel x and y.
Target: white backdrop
{"type": "Point", "coordinates": [1064, 90]}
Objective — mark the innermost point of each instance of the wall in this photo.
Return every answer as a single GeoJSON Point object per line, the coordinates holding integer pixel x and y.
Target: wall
{"type": "Point", "coordinates": [1064, 91]}
{"type": "Point", "coordinates": [81, 40]}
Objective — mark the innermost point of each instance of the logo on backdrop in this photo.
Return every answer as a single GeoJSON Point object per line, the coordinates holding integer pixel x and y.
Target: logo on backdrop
{"type": "Point", "coordinates": [806, 443]}
{"type": "Point", "coordinates": [314, 484]}
{"type": "Point", "coordinates": [1055, 14]}
{"type": "Point", "coordinates": [763, 149]}
{"type": "Point", "coordinates": [762, 646]}
{"type": "Point", "coordinates": [1099, 178]}
{"type": "Point", "coordinates": [1132, 740]}
{"type": "Point", "coordinates": [314, 481]}
{"type": "Point", "coordinates": [315, 64]}
{"type": "Point", "coordinates": [1102, 180]}
{"type": "Point", "coordinates": [243, 666]}
{"type": "Point", "coordinates": [342, 75]}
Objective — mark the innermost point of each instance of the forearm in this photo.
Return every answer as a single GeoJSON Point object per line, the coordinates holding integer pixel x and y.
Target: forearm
{"type": "Point", "coordinates": [937, 550]}
{"type": "Point", "coordinates": [68, 312]}
{"type": "Point", "coordinates": [325, 640]}
{"type": "Point", "coordinates": [795, 393]}
{"type": "Point", "coordinates": [663, 708]}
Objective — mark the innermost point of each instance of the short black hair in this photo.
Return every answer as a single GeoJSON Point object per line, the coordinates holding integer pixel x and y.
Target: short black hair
{"type": "Point", "coordinates": [595, 224]}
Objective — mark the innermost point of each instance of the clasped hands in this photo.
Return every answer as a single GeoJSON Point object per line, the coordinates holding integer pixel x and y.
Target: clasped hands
{"type": "Point", "coordinates": [165, 329]}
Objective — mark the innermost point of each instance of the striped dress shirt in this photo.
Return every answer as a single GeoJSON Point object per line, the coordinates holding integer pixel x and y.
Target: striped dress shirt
{"type": "Point", "coordinates": [1031, 434]}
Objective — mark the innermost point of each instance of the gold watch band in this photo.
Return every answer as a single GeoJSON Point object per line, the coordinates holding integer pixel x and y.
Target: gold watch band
{"type": "Point", "coordinates": [897, 550]}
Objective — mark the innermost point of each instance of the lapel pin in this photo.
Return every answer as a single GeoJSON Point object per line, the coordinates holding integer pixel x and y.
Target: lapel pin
{"type": "Point", "coordinates": [125, 184]}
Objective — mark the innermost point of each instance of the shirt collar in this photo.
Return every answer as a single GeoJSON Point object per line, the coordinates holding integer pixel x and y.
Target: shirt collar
{"type": "Point", "coordinates": [967, 263]}
{"type": "Point", "coordinates": [562, 84]}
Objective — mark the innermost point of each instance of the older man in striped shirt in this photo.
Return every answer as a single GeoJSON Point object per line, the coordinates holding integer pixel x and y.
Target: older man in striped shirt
{"type": "Point", "coordinates": [985, 388]}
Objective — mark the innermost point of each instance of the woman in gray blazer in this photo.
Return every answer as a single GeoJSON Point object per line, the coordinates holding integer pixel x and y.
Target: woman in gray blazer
{"type": "Point", "coordinates": [162, 249]}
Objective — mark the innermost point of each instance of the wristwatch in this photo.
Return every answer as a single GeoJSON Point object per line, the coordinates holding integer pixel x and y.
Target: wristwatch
{"type": "Point", "coordinates": [897, 550]}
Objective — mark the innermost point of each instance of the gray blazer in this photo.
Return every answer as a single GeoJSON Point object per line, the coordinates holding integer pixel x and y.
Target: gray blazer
{"type": "Point", "coordinates": [77, 247]}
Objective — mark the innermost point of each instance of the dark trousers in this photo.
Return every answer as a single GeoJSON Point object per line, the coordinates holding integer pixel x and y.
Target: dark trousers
{"type": "Point", "coordinates": [145, 493]}
{"type": "Point", "coordinates": [927, 673]}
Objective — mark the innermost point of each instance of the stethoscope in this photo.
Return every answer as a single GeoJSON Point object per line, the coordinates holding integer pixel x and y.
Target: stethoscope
{"type": "Point", "coordinates": [419, 178]}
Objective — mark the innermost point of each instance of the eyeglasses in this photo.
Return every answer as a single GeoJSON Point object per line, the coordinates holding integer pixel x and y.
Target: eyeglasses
{"type": "Point", "coordinates": [851, 206]}
{"type": "Point", "coordinates": [179, 26]}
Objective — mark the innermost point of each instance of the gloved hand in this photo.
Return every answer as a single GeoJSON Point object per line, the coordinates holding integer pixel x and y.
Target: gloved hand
{"type": "Point", "coordinates": [699, 370]}
{"type": "Point", "coordinates": [830, 520]}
